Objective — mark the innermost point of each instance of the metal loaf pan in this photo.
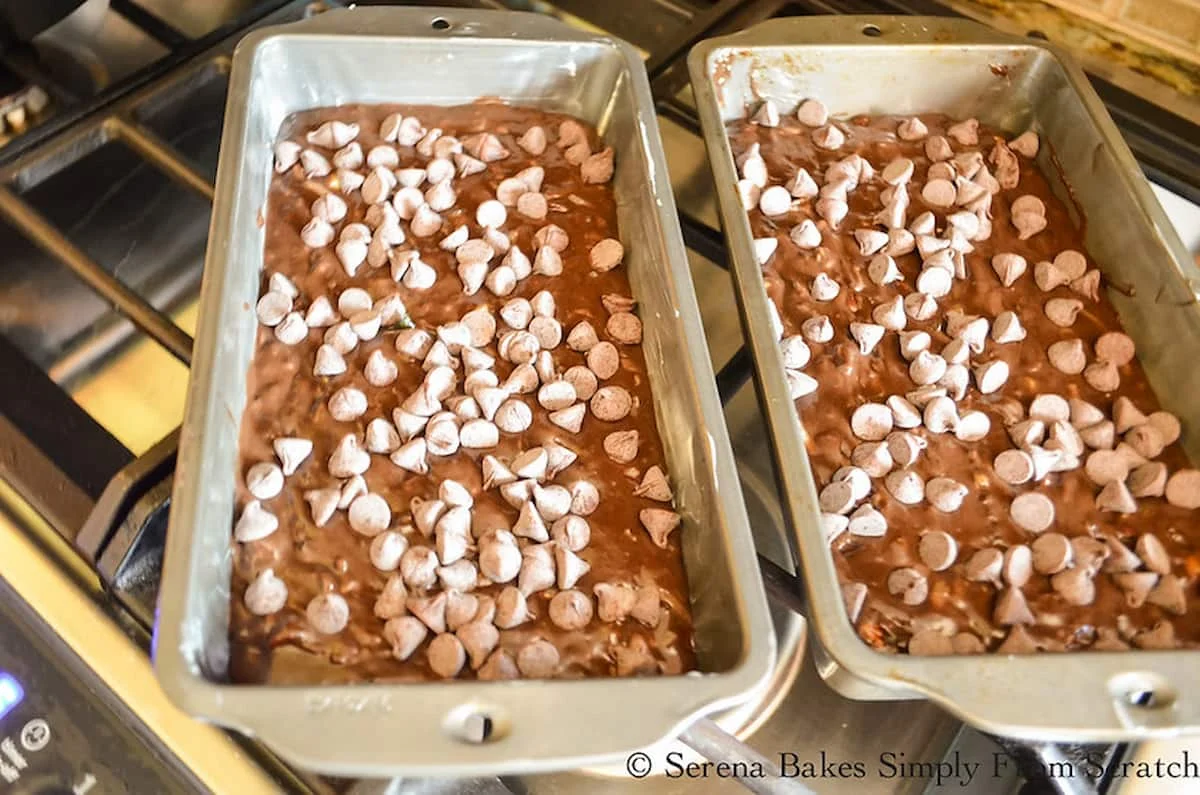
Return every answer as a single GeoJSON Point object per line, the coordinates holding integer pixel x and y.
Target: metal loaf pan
{"type": "Point", "coordinates": [451, 57]}
{"type": "Point", "coordinates": [904, 65]}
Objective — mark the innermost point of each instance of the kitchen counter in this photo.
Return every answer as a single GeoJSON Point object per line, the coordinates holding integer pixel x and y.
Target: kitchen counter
{"type": "Point", "coordinates": [1168, 80]}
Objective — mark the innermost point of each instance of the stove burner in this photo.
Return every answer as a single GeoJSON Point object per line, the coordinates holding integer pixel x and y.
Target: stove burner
{"type": "Point", "coordinates": [22, 21]}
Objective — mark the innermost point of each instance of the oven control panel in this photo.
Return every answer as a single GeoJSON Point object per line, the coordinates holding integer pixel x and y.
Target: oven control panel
{"type": "Point", "coordinates": [62, 731]}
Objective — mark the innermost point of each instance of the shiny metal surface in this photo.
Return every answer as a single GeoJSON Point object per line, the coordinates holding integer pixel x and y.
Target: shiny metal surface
{"type": "Point", "coordinates": [148, 154]}
{"type": "Point", "coordinates": [858, 64]}
{"type": "Point", "coordinates": [351, 56]}
{"type": "Point", "coordinates": [95, 46]}
{"type": "Point", "coordinates": [75, 216]}
{"type": "Point", "coordinates": [126, 300]}
{"type": "Point", "coordinates": [710, 742]}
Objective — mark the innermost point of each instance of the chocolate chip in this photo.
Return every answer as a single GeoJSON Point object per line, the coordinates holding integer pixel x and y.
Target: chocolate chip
{"type": "Point", "coordinates": [1183, 489]}
{"type": "Point", "coordinates": [1090, 553]}
{"type": "Point", "coordinates": [1136, 585]}
{"type": "Point", "coordinates": [868, 522]}
{"type": "Point", "coordinates": [1067, 356]}
{"type": "Point", "coordinates": [1084, 414]}
{"type": "Point", "coordinates": [1018, 641]}
{"type": "Point", "coordinates": [1075, 586]}
{"type": "Point", "coordinates": [858, 479]}
{"type": "Point", "coordinates": [833, 525]}
{"type": "Point", "coordinates": [873, 457]}
{"type": "Point", "coordinates": [1032, 511]}
{"type": "Point", "coordinates": [1167, 426]}
{"type": "Point", "coordinates": [266, 595]}
{"type": "Point", "coordinates": [1160, 636]}
{"type": "Point", "coordinates": [1018, 565]}
{"type": "Point", "coordinates": [992, 375]}
{"type": "Point", "coordinates": [985, 565]}
{"type": "Point", "coordinates": [939, 193]}
{"type": "Point", "coordinates": [837, 497]}
{"type": "Point", "coordinates": [920, 306]}
{"type": "Point", "coordinates": [926, 368]}
{"type": "Point", "coordinates": [1153, 553]}
{"type": "Point", "coordinates": [972, 426]}
{"type": "Point", "coordinates": [854, 595]}
{"type": "Point", "coordinates": [1049, 408]}
{"type": "Point", "coordinates": [1106, 466]}
{"type": "Point", "coordinates": [909, 585]}
{"type": "Point", "coordinates": [940, 415]}
{"type": "Point", "coordinates": [871, 422]}
{"type": "Point", "coordinates": [817, 329]}
{"type": "Point", "coordinates": [328, 613]}
{"type": "Point", "coordinates": [606, 255]}
{"type": "Point", "coordinates": [1146, 440]}
{"type": "Point", "coordinates": [904, 413]}
{"type": "Point", "coordinates": [967, 643]}
{"type": "Point", "coordinates": [1102, 376]}
{"type": "Point", "coordinates": [1027, 433]}
{"type": "Point", "coordinates": [1116, 347]}
{"type": "Point", "coordinates": [812, 113]}
{"type": "Point", "coordinates": [867, 335]}
{"type": "Point", "coordinates": [1099, 436]}
{"type": "Point", "coordinates": [1169, 595]}
{"type": "Point", "coordinates": [905, 448]}
{"type": "Point", "coordinates": [1012, 609]}
{"type": "Point", "coordinates": [405, 634]}
{"type": "Point", "coordinates": [938, 550]}
{"type": "Point", "coordinates": [1009, 267]}
{"type": "Point", "coordinates": [1063, 311]}
{"type": "Point", "coordinates": [538, 660]}
{"type": "Point", "coordinates": [906, 486]}
{"type": "Point", "coordinates": [1052, 552]}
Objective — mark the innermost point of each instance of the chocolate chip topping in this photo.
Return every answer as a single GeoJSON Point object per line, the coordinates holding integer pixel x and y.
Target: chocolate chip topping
{"type": "Point", "coordinates": [385, 433]}
{"type": "Point", "coordinates": [1043, 417]}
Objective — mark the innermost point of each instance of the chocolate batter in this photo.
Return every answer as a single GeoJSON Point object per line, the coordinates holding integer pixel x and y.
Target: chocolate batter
{"type": "Point", "coordinates": [847, 378]}
{"type": "Point", "coordinates": [285, 399]}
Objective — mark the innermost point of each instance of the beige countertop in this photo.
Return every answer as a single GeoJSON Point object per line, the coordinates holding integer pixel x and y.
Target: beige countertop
{"type": "Point", "coordinates": [1165, 79]}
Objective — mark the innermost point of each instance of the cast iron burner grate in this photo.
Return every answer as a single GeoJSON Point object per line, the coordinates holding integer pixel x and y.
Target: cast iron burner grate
{"type": "Point", "coordinates": [113, 506]}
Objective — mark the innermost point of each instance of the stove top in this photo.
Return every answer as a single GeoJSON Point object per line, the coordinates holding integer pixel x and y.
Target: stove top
{"type": "Point", "coordinates": [104, 209]}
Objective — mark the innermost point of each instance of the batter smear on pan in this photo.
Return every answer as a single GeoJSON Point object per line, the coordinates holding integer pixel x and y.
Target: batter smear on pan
{"type": "Point", "coordinates": [994, 473]}
{"type": "Point", "coordinates": [449, 464]}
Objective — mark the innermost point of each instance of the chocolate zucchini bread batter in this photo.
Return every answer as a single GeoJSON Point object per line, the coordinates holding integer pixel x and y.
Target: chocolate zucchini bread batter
{"type": "Point", "coordinates": [993, 470]}
{"type": "Point", "coordinates": [449, 464]}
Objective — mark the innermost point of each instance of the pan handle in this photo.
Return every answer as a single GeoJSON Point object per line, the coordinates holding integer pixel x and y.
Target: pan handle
{"type": "Point", "coordinates": [717, 745]}
{"type": "Point", "coordinates": [436, 23]}
{"type": "Point", "coordinates": [1147, 703]}
{"type": "Point", "coordinates": [447, 727]}
{"type": "Point", "coordinates": [869, 29]}
{"type": "Point", "coordinates": [1110, 700]}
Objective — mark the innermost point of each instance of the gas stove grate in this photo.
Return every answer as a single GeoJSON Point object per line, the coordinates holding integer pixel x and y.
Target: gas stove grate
{"type": "Point", "coordinates": [73, 110]}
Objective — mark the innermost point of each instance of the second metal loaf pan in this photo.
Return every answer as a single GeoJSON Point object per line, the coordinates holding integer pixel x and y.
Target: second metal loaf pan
{"type": "Point", "coordinates": [907, 65]}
